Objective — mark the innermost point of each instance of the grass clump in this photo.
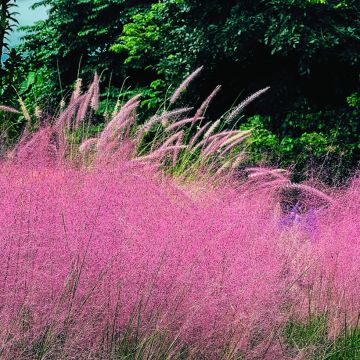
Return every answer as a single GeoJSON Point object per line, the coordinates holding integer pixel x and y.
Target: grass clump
{"type": "Point", "coordinates": [106, 256]}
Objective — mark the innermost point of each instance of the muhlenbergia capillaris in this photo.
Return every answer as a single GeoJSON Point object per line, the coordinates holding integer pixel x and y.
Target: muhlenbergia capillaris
{"type": "Point", "coordinates": [116, 246]}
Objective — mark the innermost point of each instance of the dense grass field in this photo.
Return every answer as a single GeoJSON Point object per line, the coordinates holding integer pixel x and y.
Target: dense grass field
{"type": "Point", "coordinates": [147, 241]}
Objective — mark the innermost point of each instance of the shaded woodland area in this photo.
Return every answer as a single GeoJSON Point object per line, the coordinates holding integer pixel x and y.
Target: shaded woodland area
{"type": "Point", "coordinates": [307, 51]}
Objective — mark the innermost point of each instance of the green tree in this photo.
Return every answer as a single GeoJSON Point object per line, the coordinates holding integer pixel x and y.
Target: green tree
{"type": "Point", "coordinates": [7, 23]}
{"type": "Point", "coordinates": [303, 49]}
{"type": "Point", "coordinates": [308, 51]}
{"type": "Point", "coordinates": [77, 34]}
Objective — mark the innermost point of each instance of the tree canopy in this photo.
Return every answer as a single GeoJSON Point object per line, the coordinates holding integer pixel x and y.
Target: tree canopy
{"type": "Point", "coordinates": [307, 51]}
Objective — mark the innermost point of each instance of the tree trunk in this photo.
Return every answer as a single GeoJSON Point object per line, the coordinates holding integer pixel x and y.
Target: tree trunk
{"type": "Point", "coordinates": [3, 25]}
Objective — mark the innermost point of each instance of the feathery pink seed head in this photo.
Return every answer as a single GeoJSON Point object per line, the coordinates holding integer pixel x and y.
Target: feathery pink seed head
{"type": "Point", "coordinates": [182, 123]}
{"type": "Point", "coordinates": [113, 128]}
{"type": "Point", "coordinates": [159, 153]}
{"type": "Point", "coordinates": [9, 109]}
{"type": "Point", "coordinates": [212, 128]}
{"type": "Point", "coordinates": [206, 103]}
{"type": "Point", "coordinates": [185, 84]}
{"type": "Point", "coordinates": [77, 89]}
{"type": "Point", "coordinates": [159, 118]}
{"type": "Point", "coordinates": [199, 134]}
{"type": "Point", "coordinates": [233, 114]}
{"type": "Point", "coordinates": [234, 143]}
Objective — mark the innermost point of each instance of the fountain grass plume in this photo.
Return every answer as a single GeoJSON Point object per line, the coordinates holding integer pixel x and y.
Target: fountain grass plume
{"type": "Point", "coordinates": [238, 109]}
{"type": "Point", "coordinates": [156, 119]}
{"type": "Point", "coordinates": [77, 89]}
{"type": "Point", "coordinates": [75, 117]}
{"type": "Point", "coordinates": [94, 104]}
{"type": "Point", "coordinates": [182, 123]}
{"type": "Point", "coordinates": [65, 118]}
{"type": "Point", "coordinates": [198, 134]}
{"type": "Point", "coordinates": [91, 101]}
{"type": "Point", "coordinates": [235, 141]}
{"type": "Point", "coordinates": [9, 109]}
{"type": "Point", "coordinates": [212, 128]}
{"type": "Point", "coordinates": [24, 110]}
{"type": "Point", "coordinates": [112, 129]}
{"type": "Point", "coordinates": [183, 86]}
{"type": "Point", "coordinates": [87, 144]}
{"type": "Point", "coordinates": [200, 111]}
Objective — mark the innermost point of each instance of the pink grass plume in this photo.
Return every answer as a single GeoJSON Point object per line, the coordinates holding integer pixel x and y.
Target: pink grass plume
{"type": "Point", "coordinates": [315, 192]}
{"type": "Point", "coordinates": [182, 123]}
{"type": "Point", "coordinates": [113, 128]}
{"type": "Point", "coordinates": [185, 84]}
{"type": "Point", "coordinates": [159, 118]}
{"type": "Point", "coordinates": [159, 153]}
{"type": "Point", "coordinates": [94, 104]}
{"type": "Point", "coordinates": [9, 109]}
{"type": "Point", "coordinates": [207, 102]}
{"type": "Point", "coordinates": [198, 134]}
{"type": "Point", "coordinates": [235, 142]}
{"type": "Point", "coordinates": [234, 113]}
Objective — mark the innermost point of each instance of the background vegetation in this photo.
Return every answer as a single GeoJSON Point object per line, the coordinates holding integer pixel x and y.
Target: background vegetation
{"type": "Point", "coordinates": [307, 51]}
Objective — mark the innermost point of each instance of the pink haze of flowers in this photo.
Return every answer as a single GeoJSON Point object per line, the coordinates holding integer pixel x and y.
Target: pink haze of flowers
{"type": "Point", "coordinates": [87, 254]}
{"type": "Point", "coordinates": [105, 255]}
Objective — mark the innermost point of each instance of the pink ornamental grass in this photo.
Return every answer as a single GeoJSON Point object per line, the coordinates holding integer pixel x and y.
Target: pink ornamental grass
{"type": "Point", "coordinates": [118, 250]}
{"type": "Point", "coordinates": [87, 250]}
{"type": "Point", "coordinates": [102, 258]}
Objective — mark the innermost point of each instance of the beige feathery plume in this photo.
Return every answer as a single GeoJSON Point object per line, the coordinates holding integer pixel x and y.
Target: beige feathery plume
{"type": "Point", "coordinates": [62, 105]}
{"type": "Point", "coordinates": [158, 118]}
{"type": "Point", "coordinates": [24, 110]}
{"type": "Point", "coordinates": [94, 103]}
{"type": "Point", "coordinates": [116, 108]}
{"type": "Point", "coordinates": [198, 134]}
{"type": "Point", "coordinates": [212, 128]}
{"type": "Point", "coordinates": [315, 192]}
{"type": "Point", "coordinates": [87, 144]}
{"type": "Point", "coordinates": [160, 152]}
{"type": "Point", "coordinates": [234, 138]}
{"type": "Point", "coordinates": [77, 89]}
{"type": "Point", "coordinates": [38, 112]}
{"type": "Point", "coordinates": [9, 109]}
{"type": "Point", "coordinates": [182, 123]}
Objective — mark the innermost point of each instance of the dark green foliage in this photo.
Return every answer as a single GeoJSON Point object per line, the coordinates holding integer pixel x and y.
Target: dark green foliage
{"type": "Point", "coordinates": [19, 81]}
{"type": "Point", "coordinates": [77, 35]}
{"type": "Point", "coordinates": [346, 346]}
{"type": "Point", "coordinates": [308, 51]}
{"type": "Point", "coordinates": [309, 145]}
